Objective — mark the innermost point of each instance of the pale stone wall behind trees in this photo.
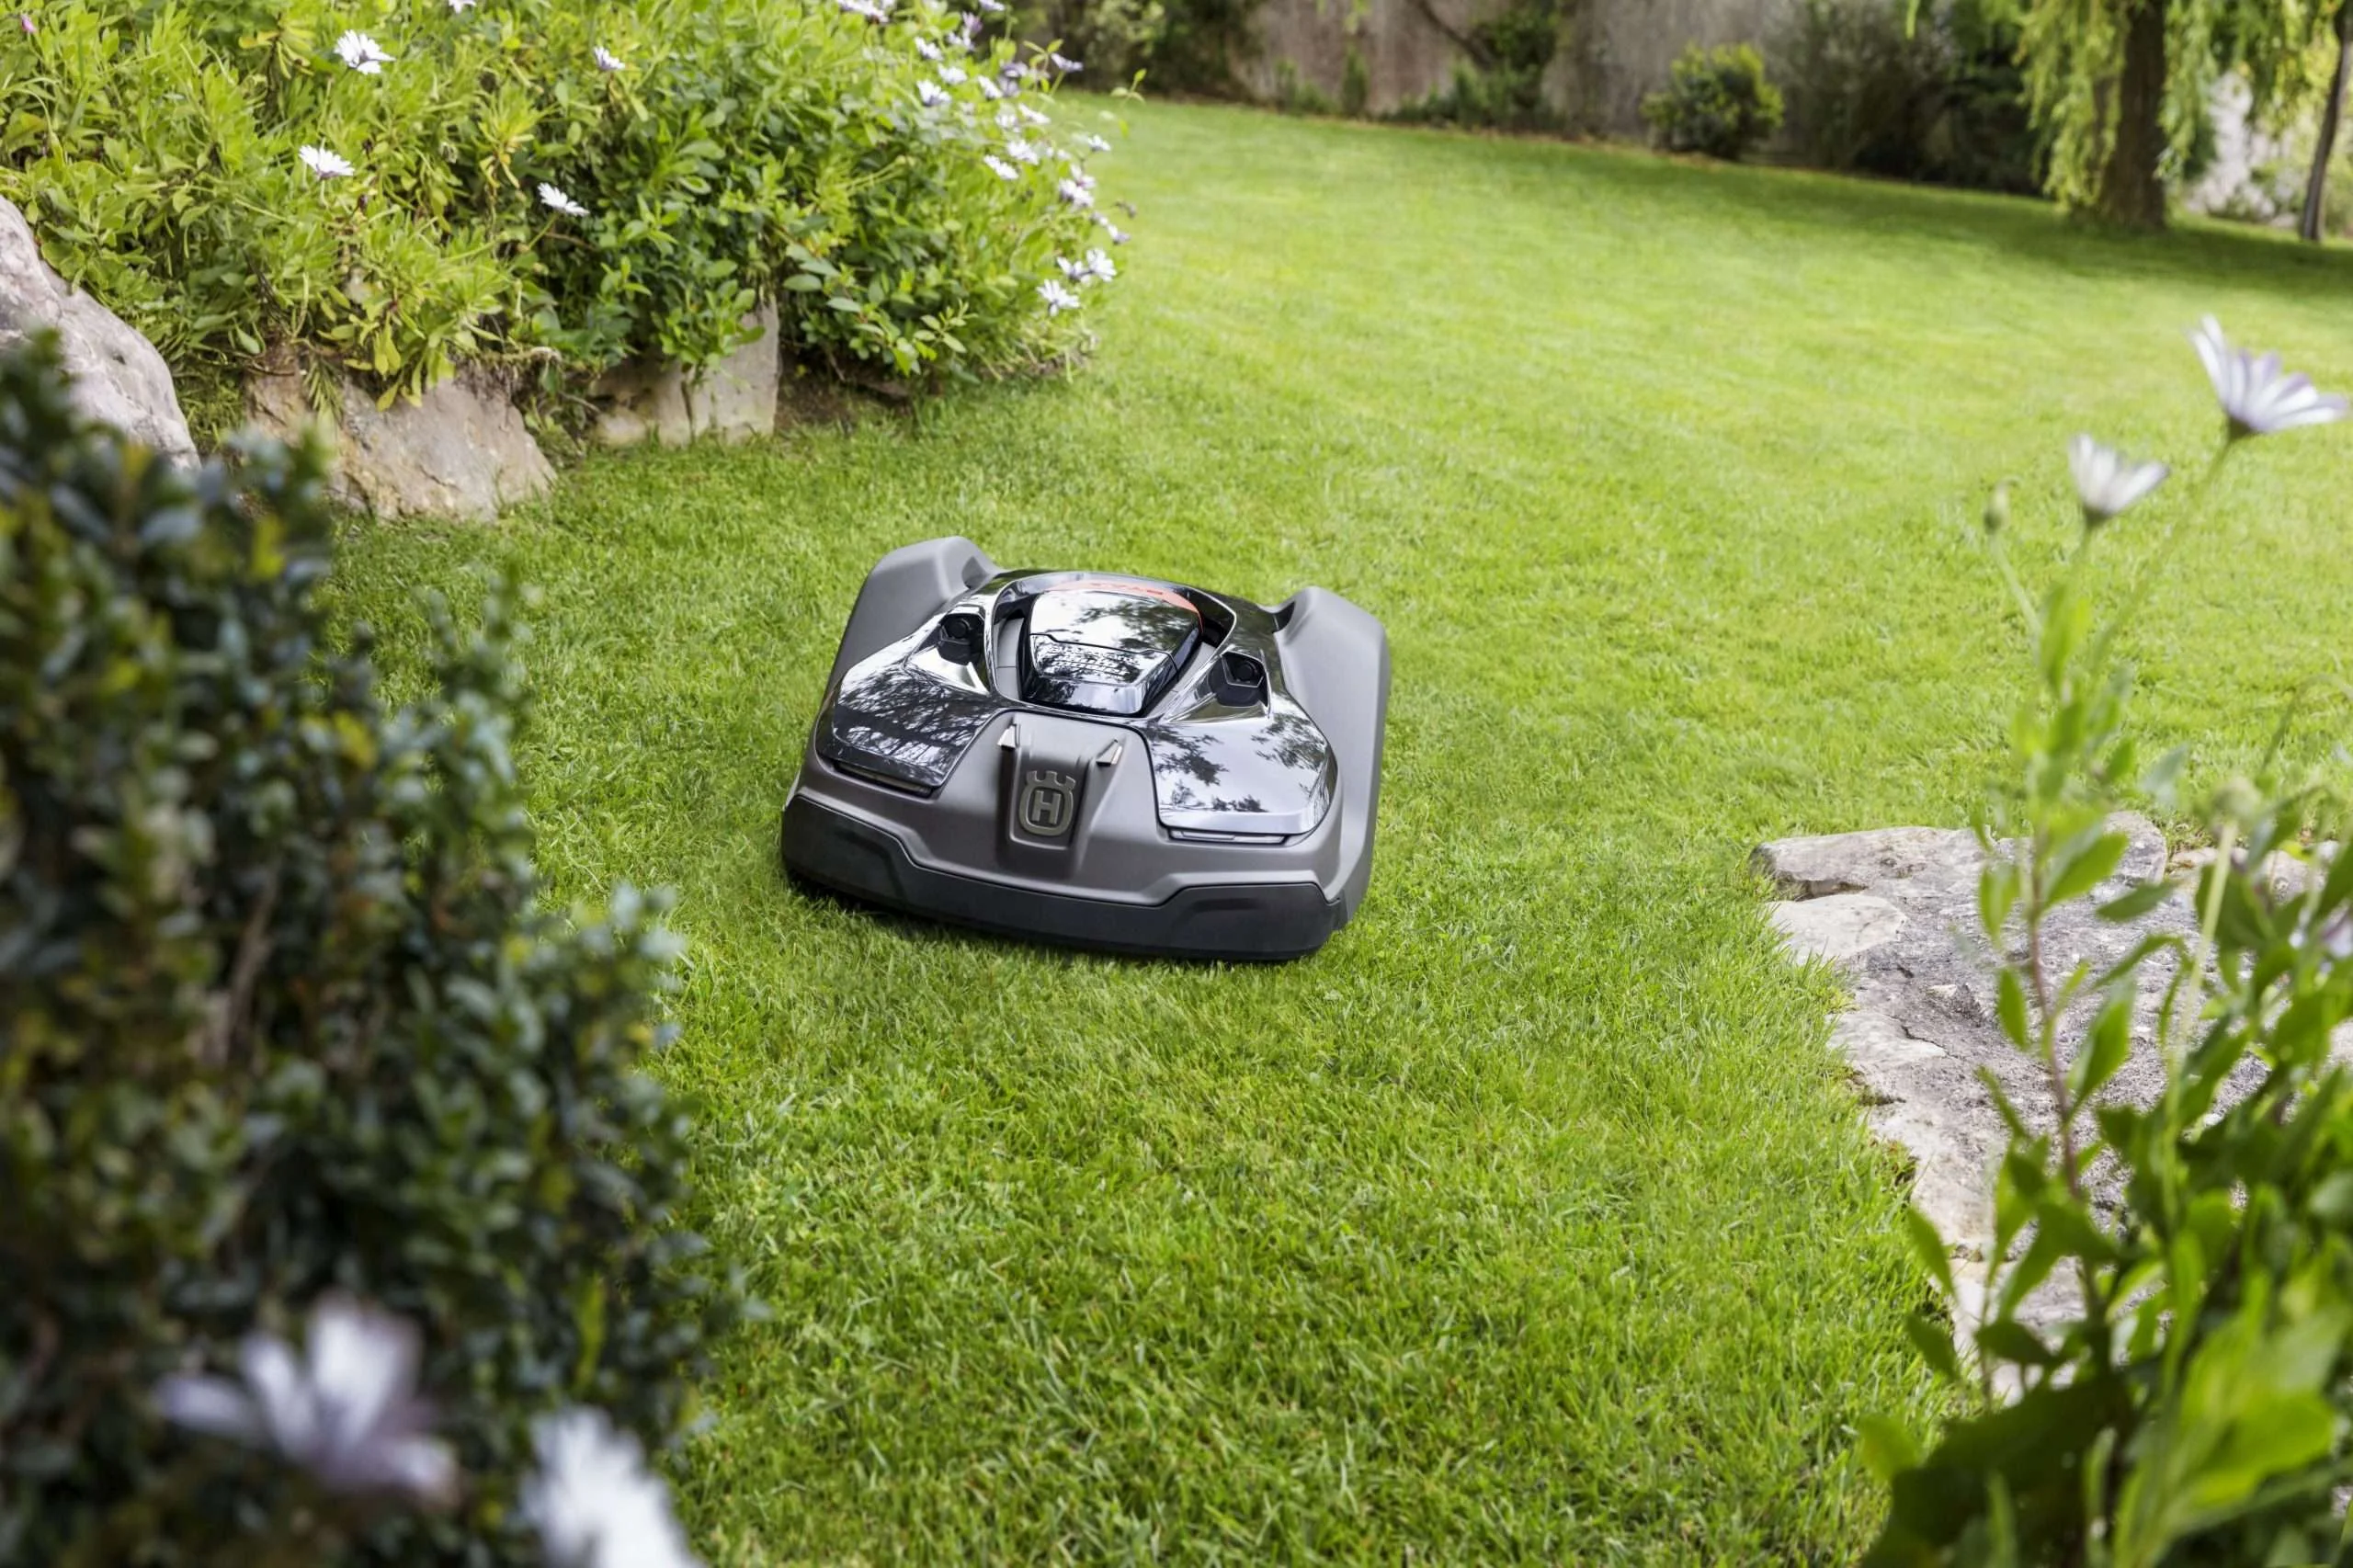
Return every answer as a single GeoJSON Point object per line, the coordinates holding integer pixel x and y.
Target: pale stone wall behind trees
{"type": "Point", "coordinates": [1612, 52]}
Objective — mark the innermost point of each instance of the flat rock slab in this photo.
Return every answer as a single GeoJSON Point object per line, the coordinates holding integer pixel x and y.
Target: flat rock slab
{"type": "Point", "coordinates": [1895, 911]}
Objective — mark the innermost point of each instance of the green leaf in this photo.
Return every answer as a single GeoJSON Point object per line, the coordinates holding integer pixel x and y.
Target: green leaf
{"type": "Point", "coordinates": [1934, 1342]}
{"type": "Point", "coordinates": [2009, 1007]}
{"type": "Point", "coordinates": [1997, 894]}
{"type": "Point", "coordinates": [2010, 1340]}
{"type": "Point", "coordinates": [1887, 1448]}
{"type": "Point", "coordinates": [2138, 902]}
{"type": "Point", "coordinates": [2032, 1268]}
{"type": "Point", "coordinates": [1929, 1246]}
{"type": "Point", "coordinates": [2104, 1049]}
{"type": "Point", "coordinates": [2332, 1200]}
{"type": "Point", "coordinates": [2087, 868]}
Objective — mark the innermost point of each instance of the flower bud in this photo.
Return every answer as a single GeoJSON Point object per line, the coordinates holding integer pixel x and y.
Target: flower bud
{"type": "Point", "coordinates": [1998, 509]}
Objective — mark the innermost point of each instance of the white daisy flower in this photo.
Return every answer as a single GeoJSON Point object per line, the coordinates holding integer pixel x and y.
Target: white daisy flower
{"type": "Point", "coordinates": [993, 7]}
{"type": "Point", "coordinates": [461, 6]}
{"type": "Point", "coordinates": [1119, 237]}
{"type": "Point", "coordinates": [2107, 482]}
{"type": "Point", "coordinates": [1098, 266]}
{"type": "Point", "coordinates": [362, 53]}
{"type": "Point", "coordinates": [1064, 64]}
{"type": "Point", "coordinates": [1031, 115]}
{"type": "Point", "coordinates": [1077, 194]}
{"type": "Point", "coordinates": [1082, 179]}
{"type": "Point", "coordinates": [1058, 299]}
{"type": "Point", "coordinates": [348, 1413]}
{"type": "Point", "coordinates": [2256, 399]}
{"type": "Point", "coordinates": [1093, 144]}
{"type": "Point", "coordinates": [550, 196]}
{"type": "Point", "coordinates": [952, 74]}
{"type": "Point", "coordinates": [1021, 152]}
{"type": "Point", "coordinates": [592, 1500]}
{"type": "Point", "coordinates": [929, 50]}
{"type": "Point", "coordinates": [989, 90]}
{"type": "Point", "coordinates": [607, 60]}
{"type": "Point", "coordinates": [931, 94]}
{"type": "Point", "coordinates": [1007, 121]}
{"type": "Point", "coordinates": [999, 167]}
{"type": "Point", "coordinates": [324, 163]}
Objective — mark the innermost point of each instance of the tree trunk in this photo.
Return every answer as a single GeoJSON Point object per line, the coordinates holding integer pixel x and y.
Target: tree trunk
{"type": "Point", "coordinates": [2308, 224]}
{"type": "Point", "coordinates": [2131, 193]}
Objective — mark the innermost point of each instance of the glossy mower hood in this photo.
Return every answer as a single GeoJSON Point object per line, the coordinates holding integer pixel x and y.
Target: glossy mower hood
{"type": "Point", "coordinates": [1097, 759]}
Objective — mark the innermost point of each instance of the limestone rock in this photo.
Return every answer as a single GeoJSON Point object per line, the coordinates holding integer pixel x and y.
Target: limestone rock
{"type": "Point", "coordinates": [118, 378]}
{"type": "Point", "coordinates": [734, 399]}
{"type": "Point", "coordinates": [1896, 910]}
{"type": "Point", "coordinates": [1838, 928]}
{"type": "Point", "coordinates": [1850, 863]}
{"type": "Point", "coordinates": [462, 450]}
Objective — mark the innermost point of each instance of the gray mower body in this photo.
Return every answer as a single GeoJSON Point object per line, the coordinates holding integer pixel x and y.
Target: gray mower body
{"type": "Point", "coordinates": [1096, 759]}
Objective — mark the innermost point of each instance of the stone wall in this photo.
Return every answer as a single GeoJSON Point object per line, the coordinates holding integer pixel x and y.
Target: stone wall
{"type": "Point", "coordinates": [1613, 50]}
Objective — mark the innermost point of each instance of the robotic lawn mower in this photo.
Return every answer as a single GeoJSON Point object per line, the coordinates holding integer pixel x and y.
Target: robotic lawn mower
{"type": "Point", "coordinates": [1102, 760]}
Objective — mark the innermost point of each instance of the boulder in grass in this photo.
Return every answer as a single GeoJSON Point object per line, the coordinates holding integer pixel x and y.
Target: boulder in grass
{"type": "Point", "coordinates": [462, 450]}
{"type": "Point", "coordinates": [118, 377]}
{"type": "Point", "coordinates": [734, 399]}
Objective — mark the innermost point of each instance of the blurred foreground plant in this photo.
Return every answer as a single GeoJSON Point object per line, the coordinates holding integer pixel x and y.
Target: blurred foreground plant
{"type": "Point", "coordinates": [2188, 1401]}
{"type": "Point", "coordinates": [283, 1020]}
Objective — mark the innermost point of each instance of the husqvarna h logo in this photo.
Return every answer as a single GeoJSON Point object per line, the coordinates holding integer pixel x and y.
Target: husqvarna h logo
{"type": "Point", "coordinates": [1047, 799]}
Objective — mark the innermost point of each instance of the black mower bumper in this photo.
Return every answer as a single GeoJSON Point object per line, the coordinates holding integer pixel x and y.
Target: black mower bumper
{"type": "Point", "coordinates": [1239, 921]}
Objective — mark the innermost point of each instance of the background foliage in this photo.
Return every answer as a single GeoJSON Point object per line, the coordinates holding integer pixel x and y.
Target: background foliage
{"type": "Point", "coordinates": [1183, 46]}
{"type": "Point", "coordinates": [758, 149]}
{"type": "Point", "coordinates": [1936, 95]}
{"type": "Point", "coordinates": [281, 1013]}
{"type": "Point", "coordinates": [1499, 83]}
{"type": "Point", "coordinates": [1717, 101]}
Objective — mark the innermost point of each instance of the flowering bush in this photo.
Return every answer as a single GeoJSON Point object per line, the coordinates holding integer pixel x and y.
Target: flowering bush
{"type": "Point", "coordinates": [281, 1016]}
{"type": "Point", "coordinates": [1717, 101]}
{"type": "Point", "coordinates": [2189, 1400]}
{"type": "Point", "coordinates": [399, 188]}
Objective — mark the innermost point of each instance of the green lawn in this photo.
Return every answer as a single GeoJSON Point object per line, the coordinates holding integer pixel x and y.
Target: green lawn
{"type": "Point", "coordinates": [1530, 1219]}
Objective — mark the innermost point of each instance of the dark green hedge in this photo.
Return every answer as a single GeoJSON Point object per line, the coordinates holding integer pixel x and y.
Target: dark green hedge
{"type": "Point", "coordinates": [280, 1012]}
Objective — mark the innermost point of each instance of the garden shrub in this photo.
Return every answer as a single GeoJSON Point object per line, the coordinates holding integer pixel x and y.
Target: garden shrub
{"type": "Point", "coordinates": [1500, 84]}
{"type": "Point", "coordinates": [1294, 94]}
{"type": "Point", "coordinates": [1930, 94]}
{"type": "Point", "coordinates": [2190, 1401]}
{"type": "Point", "coordinates": [1355, 81]}
{"type": "Point", "coordinates": [1116, 38]}
{"type": "Point", "coordinates": [1717, 102]}
{"type": "Point", "coordinates": [282, 1018]}
{"type": "Point", "coordinates": [1202, 44]}
{"type": "Point", "coordinates": [593, 178]}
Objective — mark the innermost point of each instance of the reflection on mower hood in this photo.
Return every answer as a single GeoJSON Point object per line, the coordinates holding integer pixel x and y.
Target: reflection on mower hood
{"type": "Point", "coordinates": [1101, 646]}
{"type": "Point", "coordinates": [1198, 676]}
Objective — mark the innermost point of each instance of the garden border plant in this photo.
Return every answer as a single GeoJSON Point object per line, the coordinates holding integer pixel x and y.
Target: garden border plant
{"type": "Point", "coordinates": [399, 190]}
{"type": "Point", "coordinates": [2193, 1404]}
{"type": "Point", "coordinates": [283, 1020]}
